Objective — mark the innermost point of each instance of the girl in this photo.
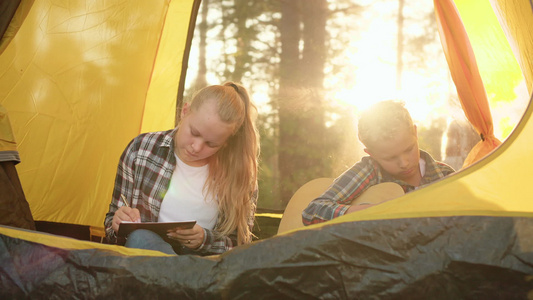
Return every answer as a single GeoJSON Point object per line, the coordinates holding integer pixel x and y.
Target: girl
{"type": "Point", "coordinates": [205, 169]}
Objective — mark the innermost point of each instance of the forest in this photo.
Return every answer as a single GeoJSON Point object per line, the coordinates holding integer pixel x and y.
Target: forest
{"type": "Point", "coordinates": [312, 65]}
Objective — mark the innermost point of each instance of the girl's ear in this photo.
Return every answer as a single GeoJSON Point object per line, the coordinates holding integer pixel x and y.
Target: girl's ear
{"type": "Point", "coordinates": [185, 110]}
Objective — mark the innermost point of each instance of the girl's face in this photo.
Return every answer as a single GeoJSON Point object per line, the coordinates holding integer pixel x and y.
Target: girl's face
{"type": "Point", "coordinates": [399, 156]}
{"type": "Point", "coordinates": [200, 134]}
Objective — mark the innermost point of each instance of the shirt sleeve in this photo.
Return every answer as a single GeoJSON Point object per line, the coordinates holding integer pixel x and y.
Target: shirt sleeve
{"type": "Point", "coordinates": [123, 186]}
{"type": "Point", "coordinates": [214, 245]}
{"type": "Point", "coordinates": [337, 199]}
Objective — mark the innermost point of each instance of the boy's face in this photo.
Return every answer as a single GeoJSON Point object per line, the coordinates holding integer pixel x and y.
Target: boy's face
{"type": "Point", "coordinates": [399, 156]}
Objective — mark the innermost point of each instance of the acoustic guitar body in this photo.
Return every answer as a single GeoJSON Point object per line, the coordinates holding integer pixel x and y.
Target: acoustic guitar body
{"type": "Point", "coordinates": [379, 193]}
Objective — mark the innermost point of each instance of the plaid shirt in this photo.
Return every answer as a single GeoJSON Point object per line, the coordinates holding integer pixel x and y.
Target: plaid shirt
{"type": "Point", "coordinates": [364, 174]}
{"type": "Point", "coordinates": [143, 177]}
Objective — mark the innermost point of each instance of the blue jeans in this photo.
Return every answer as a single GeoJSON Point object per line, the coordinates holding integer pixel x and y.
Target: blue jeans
{"type": "Point", "coordinates": [149, 240]}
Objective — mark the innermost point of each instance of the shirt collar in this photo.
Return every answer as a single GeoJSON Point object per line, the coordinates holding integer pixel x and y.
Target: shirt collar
{"type": "Point", "coordinates": [168, 140]}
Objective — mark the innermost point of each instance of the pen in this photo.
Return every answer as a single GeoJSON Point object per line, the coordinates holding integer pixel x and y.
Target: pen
{"type": "Point", "coordinates": [127, 205]}
{"type": "Point", "coordinates": [124, 199]}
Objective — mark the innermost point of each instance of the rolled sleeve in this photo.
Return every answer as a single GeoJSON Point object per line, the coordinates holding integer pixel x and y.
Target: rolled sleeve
{"type": "Point", "coordinates": [338, 197]}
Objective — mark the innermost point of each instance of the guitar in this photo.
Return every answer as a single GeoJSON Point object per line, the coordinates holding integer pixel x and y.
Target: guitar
{"type": "Point", "coordinates": [379, 193]}
{"type": "Point", "coordinates": [292, 217]}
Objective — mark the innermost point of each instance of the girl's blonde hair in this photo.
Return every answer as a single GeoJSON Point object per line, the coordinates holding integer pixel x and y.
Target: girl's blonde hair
{"type": "Point", "coordinates": [383, 121]}
{"type": "Point", "coordinates": [233, 169]}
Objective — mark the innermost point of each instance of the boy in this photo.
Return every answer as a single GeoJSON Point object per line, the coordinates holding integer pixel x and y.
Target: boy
{"type": "Point", "coordinates": [390, 139]}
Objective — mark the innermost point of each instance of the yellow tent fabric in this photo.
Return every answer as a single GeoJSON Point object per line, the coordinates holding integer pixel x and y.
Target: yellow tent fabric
{"type": "Point", "coordinates": [80, 79]}
{"type": "Point", "coordinates": [497, 61]}
{"type": "Point", "coordinates": [515, 17]}
{"type": "Point", "coordinates": [73, 244]}
{"type": "Point", "coordinates": [465, 74]}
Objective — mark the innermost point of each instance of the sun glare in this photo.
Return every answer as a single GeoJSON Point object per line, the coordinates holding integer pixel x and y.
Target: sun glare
{"type": "Point", "coordinates": [374, 80]}
{"type": "Point", "coordinates": [368, 69]}
{"type": "Point", "coordinates": [370, 73]}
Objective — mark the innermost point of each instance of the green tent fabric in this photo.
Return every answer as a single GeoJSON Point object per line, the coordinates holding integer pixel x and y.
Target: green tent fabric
{"type": "Point", "coordinates": [461, 257]}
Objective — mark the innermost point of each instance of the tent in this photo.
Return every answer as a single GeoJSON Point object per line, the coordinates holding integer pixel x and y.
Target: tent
{"type": "Point", "coordinates": [79, 82]}
{"type": "Point", "coordinates": [66, 69]}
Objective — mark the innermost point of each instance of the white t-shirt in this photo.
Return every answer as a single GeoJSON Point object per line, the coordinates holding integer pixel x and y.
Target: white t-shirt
{"type": "Point", "coordinates": [185, 199]}
{"type": "Point", "coordinates": [422, 164]}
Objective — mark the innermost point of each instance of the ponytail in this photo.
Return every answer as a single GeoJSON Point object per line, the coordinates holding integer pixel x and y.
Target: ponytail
{"type": "Point", "coordinates": [233, 169]}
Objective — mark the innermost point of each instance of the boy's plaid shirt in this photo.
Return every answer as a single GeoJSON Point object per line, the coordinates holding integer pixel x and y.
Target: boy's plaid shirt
{"type": "Point", "coordinates": [352, 183]}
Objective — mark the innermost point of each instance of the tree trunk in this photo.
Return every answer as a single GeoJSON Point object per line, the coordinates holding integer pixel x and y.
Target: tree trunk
{"type": "Point", "coordinates": [288, 93]}
{"type": "Point", "coordinates": [244, 36]}
{"type": "Point", "coordinates": [301, 112]}
{"type": "Point", "coordinates": [201, 77]}
{"type": "Point", "coordinates": [399, 50]}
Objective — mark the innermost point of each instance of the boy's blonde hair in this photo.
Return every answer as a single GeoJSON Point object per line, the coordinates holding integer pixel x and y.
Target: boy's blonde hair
{"type": "Point", "coordinates": [383, 121]}
{"type": "Point", "coordinates": [232, 178]}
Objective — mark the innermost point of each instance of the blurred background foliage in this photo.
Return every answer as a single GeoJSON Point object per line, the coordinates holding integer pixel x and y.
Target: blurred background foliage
{"type": "Point", "coordinates": [312, 65]}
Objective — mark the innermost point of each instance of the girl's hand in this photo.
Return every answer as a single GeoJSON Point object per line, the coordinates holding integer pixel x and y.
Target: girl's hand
{"type": "Point", "coordinates": [125, 213]}
{"type": "Point", "coordinates": [190, 238]}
